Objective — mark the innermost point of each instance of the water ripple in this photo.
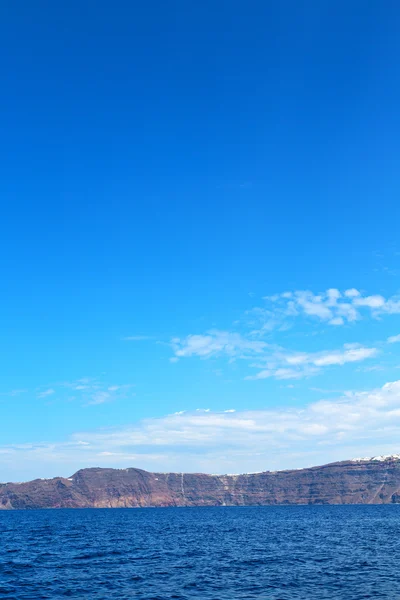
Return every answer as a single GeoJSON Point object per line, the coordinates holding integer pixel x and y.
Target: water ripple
{"type": "Point", "coordinates": [270, 553]}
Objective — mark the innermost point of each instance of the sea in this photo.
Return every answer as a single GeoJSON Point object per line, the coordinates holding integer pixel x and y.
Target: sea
{"type": "Point", "coordinates": [227, 553]}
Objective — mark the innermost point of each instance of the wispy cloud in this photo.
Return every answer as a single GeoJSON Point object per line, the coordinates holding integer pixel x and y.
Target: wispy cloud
{"type": "Point", "coordinates": [393, 339]}
{"type": "Point", "coordinates": [302, 364]}
{"type": "Point", "coordinates": [358, 423]}
{"type": "Point", "coordinates": [13, 393]}
{"type": "Point", "coordinates": [217, 343]}
{"type": "Point", "coordinates": [88, 391]}
{"type": "Point", "coordinates": [91, 391]}
{"type": "Point", "coordinates": [46, 393]}
{"type": "Point", "coordinates": [109, 394]}
{"type": "Point", "coordinates": [137, 338]}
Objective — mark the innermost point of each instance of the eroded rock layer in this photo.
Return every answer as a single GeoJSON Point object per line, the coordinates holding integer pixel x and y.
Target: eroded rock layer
{"type": "Point", "coordinates": [362, 481]}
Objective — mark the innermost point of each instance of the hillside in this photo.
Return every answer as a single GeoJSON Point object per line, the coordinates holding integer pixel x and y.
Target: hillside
{"type": "Point", "coordinates": [358, 481]}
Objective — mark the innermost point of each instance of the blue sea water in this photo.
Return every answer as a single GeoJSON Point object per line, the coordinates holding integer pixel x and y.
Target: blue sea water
{"type": "Point", "coordinates": [279, 553]}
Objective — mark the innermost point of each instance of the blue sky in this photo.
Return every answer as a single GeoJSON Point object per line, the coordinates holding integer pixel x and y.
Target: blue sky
{"type": "Point", "coordinates": [200, 214]}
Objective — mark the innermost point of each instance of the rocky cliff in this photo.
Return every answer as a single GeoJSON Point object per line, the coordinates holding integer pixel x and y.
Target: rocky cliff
{"type": "Point", "coordinates": [359, 481]}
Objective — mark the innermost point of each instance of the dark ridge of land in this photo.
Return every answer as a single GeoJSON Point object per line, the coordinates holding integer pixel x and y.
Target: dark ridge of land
{"type": "Point", "coordinates": [366, 481]}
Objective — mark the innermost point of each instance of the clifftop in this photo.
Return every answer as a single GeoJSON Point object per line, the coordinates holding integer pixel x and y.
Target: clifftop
{"type": "Point", "coordinates": [373, 480]}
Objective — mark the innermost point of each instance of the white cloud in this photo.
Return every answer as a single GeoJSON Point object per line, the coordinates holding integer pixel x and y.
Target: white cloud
{"type": "Point", "coordinates": [358, 423]}
{"type": "Point", "coordinates": [351, 354]}
{"type": "Point", "coordinates": [352, 293]}
{"type": "Point", "coordinates": [282, 373]}
{"type": "Point", "coordinates": [332, 306]}
{"type": "Point", "coordinates": [355, 415]}
{"type": "Point", "coordinates": [273, 361]}
{"type": "Point", "coordinates": [216, 343]}
{"type": "Point", "coordinates": [284, 365]}
{"type": "Point", "coordinates": [392, 306]}
{"type": "Point", "coordinates": [370, 301]}
{"type": "Point", "coordinates": [336, 321]}
{"type": "Point", "coordinates": [98, 394]}
{"type": "Point", "coordinates": [99, 397]}
{"type": "Point", "coordinates": [393, 339]}
{"type": "Point", "coordinates": [46, 393]}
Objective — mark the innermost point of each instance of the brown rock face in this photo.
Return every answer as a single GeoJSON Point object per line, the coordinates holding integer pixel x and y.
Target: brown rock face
{"type": "Point", "coordinates": [374, 481]}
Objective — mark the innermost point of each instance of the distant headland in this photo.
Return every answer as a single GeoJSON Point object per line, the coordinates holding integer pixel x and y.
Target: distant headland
{"type": "Point", "coordinates": [373, 480]}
